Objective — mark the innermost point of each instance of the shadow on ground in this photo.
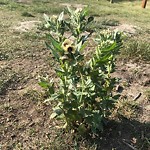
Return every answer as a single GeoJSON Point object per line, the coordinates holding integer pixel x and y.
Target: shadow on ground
{"type": "Point", "coordinates": [124, 135]}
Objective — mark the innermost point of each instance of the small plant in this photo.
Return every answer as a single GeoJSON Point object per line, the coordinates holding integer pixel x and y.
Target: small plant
{"type": "Point", "coordinates": [83, 94]}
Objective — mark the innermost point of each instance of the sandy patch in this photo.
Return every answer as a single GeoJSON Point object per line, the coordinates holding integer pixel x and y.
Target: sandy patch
{"type": "Point", "coordinates": [26, 26]}
{"type": "Point", "coordinates": [126, 28]}
{"type": "Point", "coordinates": [73, 5]}
{"type": "Point", "coordinates": [23, 1]}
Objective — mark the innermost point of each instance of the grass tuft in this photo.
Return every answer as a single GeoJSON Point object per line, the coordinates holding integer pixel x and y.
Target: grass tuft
{"type": "Point", "coordinates": [110, 22]}
{"type": "Point", "coordinates": [27, 14]}
{"type": "Point", "coordinates": [136, 50]}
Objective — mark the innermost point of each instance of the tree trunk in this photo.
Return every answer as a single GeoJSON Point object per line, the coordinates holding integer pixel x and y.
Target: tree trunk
{"type": "Point", "coordinates": [144, 3]}
{"type": "Point", "coordinates": [111, 1]}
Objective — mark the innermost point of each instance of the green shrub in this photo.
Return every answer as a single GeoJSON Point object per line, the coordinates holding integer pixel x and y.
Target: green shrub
{"type": "Point", "coordinates": [83, 96]}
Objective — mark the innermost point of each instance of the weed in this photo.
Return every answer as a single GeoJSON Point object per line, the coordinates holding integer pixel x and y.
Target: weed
{"type": "Point", "coordinates": [136, 50]}
{"type": "Point", "coordinates": [85, 87]}
{"type": "Point", "coordinates": [125, 108]}
{"type": "Point", "coordinates": [19, 47]}
{"type": "Point", "coordinates": [147, 94]}
{"type": "Point", "coordinates": [8, 78]}
{"type": "Point", "coordinates": [33, 95]}
{"type": "Point", "coordinates": [32, 132]}
{"type": "Point", "coordinates": [3, 56]}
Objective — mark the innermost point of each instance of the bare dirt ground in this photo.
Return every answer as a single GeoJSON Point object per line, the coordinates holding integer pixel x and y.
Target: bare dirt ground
{"type": "Point", "coordinates": [26, 26]}
{"type": "Point", "coordinates": [24, 119]}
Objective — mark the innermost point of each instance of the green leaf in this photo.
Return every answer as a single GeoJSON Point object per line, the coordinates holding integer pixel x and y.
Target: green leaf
{"type": "Point", "coordinates": [55, 43]}
{"type": "Point", "coordinates": [46, 18]}
{"type": "Point", "coordinates": [53, 115]}
{"type": "Point", "coordinates": [116, 97]}
{"type": "Point", "coordinates": [58, 111]}
{"type": "Point", "coordinates": [48, 100]}
{"type": "Point", "coordinates": [44, 84]}
{"type": "Point", "coordinates": [83, 14]}
{"type": "Point", "coordinates": [51, 89]}
{"type": "Point", "coordinates": [60, 71]}
{"type": "Point", "coordinates": [109, 48]}
{"type": "Point", "coordinates": [103, 59]}
{"type": "Point", "coordinates": [73, 115]}
{"type": "Point", "coordinates": [83, 47]}
{"type": "Point", "coordinates": [68, 24]}
{"type": "Point", "coordinates": [79, 46]}
{"type": "Point", "coordinates": [53, 51]}
{"type": "Point", "coordinates": [82, 129]}
{"type": "Point", "coordinates": [85, 37]}
{"type": "Point", "coordinates": [60, 18]}
{"type": "Point", "coordinates": [71, 12]}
